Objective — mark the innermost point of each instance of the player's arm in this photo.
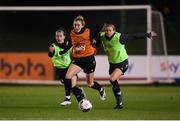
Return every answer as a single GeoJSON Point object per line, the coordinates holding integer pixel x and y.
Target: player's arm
{"type": "Point", "coordinates": [95, 37]}
{"type": "Point", "coordinates": [129, 37]}
{"type": "Point", "coordinates": [51, 51]}
{"type": "Point", "coordinates": [66, 48]}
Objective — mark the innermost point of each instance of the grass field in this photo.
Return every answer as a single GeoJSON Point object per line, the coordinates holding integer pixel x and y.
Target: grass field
{"type": "Point", "coordinates": [42, 102]}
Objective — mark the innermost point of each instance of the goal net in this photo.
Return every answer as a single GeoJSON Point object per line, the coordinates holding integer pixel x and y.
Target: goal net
{"type": "Point", "coordinates": [30, 29]}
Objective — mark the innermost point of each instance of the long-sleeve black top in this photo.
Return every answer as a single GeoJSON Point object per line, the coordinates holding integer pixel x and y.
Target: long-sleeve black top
{"type": "Point", "coordinates": [124, 38]}
{"type": "Point", "coordinates": [62, 45]}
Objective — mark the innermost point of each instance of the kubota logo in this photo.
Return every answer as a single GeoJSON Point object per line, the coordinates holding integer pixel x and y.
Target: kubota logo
{"type": "Point", "coordinates": [22, 68]}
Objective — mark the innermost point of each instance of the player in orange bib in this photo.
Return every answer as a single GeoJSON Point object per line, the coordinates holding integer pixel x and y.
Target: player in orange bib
{"type": "Point", "coordinates": [81, 41]}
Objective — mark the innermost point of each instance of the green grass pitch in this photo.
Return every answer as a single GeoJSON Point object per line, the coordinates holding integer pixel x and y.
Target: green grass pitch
{"type": "Point", "coordinates": [42, 103]}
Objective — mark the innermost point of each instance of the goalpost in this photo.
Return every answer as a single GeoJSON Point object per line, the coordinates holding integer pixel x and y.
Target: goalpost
{"type": "Point", "coordinates": [148, 21]}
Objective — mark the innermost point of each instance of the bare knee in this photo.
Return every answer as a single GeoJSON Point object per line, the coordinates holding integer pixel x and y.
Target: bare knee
{"type": "Point", "coordinates": [90, 84]}
{"type": "Point", "coordinates": [90, 79]}
{"type": "Point", "coordinates": [116, 75]}
{"type": "Point", "coordinates": [69, 76]}
{"type": "Point", "coordinates": [113, 79]}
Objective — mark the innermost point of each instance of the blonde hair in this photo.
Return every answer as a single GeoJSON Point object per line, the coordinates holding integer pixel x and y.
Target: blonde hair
{"type": "Point", "coordinates": [80, 18]}
{"type": "Point", "coordinates": [108, 25]}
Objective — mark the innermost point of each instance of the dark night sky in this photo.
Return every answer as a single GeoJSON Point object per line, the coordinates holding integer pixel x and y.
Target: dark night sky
{"type": "Point", "coordinates": [70, 2]}
{"type": "Point", "coordinates": [169, 9]}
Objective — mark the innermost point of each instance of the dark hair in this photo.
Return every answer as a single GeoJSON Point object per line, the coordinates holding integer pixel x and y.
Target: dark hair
{"type": "Point", "coordinates": [61, 29]}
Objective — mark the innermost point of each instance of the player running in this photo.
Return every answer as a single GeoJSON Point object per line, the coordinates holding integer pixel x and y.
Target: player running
{"type": "Point", "coordinates": [61, 62]}
{"type": "Point", "coordinates": [114, 45]}
{"type": "Point", "coordinates": [83, 58]}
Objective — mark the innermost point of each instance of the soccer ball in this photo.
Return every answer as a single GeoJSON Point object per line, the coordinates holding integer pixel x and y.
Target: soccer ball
{"type": "Point", "coordinates": [85, 105]}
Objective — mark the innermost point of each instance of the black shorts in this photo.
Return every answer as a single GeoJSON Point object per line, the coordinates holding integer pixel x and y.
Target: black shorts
{"type": "Point", "coordinates": [60, 73]}
{"type": "Point", "coordinates": [88, 64]}
{"type": "Point", "coordinates": [123, 66]}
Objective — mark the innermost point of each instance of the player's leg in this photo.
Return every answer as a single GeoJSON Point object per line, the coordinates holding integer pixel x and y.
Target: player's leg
{"type": "Point", "coordinates": [95, 85]}
{"type": "Point", "coordinates": [67, 87]}
{"type": "Point", "coordinates": [116, 71]}
{"type": "Point", "coordinates": [89, 69]}
{"type": "Point", "coordinates": [116, 88]}
{"type": "Point", "coordinates": [72, 71]}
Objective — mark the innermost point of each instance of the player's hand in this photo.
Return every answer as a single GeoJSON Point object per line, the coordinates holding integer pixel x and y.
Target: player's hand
{"type": "Point", "coordinates": [93, 41]}
{"type": "Point", "coordinates": [51, 49]}
{"type": "Point", "coordinates": [153, 34]}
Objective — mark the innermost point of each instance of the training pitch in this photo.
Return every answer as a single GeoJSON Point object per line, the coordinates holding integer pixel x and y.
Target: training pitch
{"type": "Point", "coordinates": [30, 102]}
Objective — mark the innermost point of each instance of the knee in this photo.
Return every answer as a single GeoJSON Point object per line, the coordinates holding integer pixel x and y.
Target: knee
{"type": "Point", "coordinates": [68, 76]}
{"type": "Point", "coordinates": [90, 84]}
{"type": "Point", "coordinates": [112, 79]}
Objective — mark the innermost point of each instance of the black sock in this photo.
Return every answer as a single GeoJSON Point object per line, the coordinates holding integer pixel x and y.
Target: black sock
{"type": "Point", "coordinates": [96, 86]}
{"type": "Point", "coordinates": [117, 92]}
{"type": "Point", "coordinates": [115, 88]}
{"type": "Point", "coordinates": [78, 93]}
{"type": "Point", "coordinates": [67, 86]}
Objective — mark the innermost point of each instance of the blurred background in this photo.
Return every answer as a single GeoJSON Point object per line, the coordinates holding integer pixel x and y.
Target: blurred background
{"type": "Point", "coordinates": [29, 89]}
{"type": "Point", "coordinates": [23, 32]}
{"type": "Point", "coordinates": [41, 27]}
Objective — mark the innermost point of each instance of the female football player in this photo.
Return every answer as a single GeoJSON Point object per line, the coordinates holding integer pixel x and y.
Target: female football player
{"type": "Point", "coordinates": [62, 62]}
{"type": "Point", "coordinates": [114, 45]}
{"type": "Point", "coordinates": [83, 54]}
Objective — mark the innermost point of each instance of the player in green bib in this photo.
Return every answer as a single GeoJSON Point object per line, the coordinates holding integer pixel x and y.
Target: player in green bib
{"type": "Point", "coordinates": [61, 62]}
{"type": "Point", "coordinates": [114, 46]}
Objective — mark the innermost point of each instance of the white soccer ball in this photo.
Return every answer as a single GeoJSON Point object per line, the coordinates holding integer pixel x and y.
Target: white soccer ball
{"type": "Point", "coordinates": [85, 105]}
